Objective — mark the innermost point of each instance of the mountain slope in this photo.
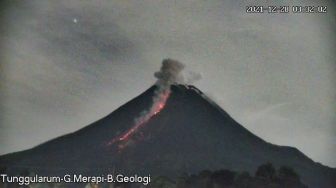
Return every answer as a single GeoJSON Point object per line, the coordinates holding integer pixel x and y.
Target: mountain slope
{"type": "Point", "coordinates": [190, 134]}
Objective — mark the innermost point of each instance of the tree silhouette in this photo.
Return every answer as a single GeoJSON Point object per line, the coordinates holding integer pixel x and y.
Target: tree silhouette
{"type": "Point", "coordinates": [243, 180]}
{"type": "Point", "coordinates": [266, 171]}
{"type": "Point", "coordinates": [288, 173]}
{"type": "Point", "coordinates": [223, 177]}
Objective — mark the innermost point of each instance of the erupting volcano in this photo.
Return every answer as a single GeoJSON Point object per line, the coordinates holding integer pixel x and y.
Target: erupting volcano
{"type": "Point", "coordinates": [168, 130]}
{"type": "Point", "coordinates": [168, 74]}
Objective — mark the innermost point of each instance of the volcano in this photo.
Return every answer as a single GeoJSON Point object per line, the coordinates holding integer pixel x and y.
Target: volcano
{"type": "Point", "coordinates": [189, 134]}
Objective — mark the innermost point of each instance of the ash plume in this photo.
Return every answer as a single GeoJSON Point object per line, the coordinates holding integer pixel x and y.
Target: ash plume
{"type": "Point", "coordinates": [169, 74]}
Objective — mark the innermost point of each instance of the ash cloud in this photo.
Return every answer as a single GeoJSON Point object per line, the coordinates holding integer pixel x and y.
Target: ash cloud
{"type": "Point", "coordinates": [169, 74]}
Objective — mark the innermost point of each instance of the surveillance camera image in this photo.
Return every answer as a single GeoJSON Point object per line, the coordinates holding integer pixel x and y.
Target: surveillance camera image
{"type": "Point", "coordinates": [167, 94]}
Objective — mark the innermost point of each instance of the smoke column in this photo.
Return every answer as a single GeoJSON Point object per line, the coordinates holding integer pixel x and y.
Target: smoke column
{"type": "Point", "coordinates": [169, 74]}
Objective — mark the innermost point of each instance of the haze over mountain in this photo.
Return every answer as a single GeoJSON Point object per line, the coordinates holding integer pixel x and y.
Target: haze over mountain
{"type": "Point", "coordinates": [190, 133]}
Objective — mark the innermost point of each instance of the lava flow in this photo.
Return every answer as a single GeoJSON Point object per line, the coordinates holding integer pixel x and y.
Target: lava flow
{"type": "Point", "coordinates": [159, 103]}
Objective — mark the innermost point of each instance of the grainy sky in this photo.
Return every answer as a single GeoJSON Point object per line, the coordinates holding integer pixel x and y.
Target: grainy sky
{"type": "Point", "coordinates": [65, 64]}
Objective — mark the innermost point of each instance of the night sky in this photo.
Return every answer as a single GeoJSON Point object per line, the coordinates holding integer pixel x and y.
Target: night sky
{"type": "Point", "coordinates": [65, 64]}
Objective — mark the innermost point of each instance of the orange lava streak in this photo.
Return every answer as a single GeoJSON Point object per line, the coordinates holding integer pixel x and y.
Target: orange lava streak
{"type": "Point", "coordinates": [158, 104]}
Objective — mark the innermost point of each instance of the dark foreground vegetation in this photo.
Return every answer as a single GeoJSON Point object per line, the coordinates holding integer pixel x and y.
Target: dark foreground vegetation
{"type": "Point", "coordinates": [266, 176]}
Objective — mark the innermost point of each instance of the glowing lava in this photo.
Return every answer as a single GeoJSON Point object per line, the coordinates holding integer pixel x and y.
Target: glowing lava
{"type": "Point", "coordinates": [159, 103]}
